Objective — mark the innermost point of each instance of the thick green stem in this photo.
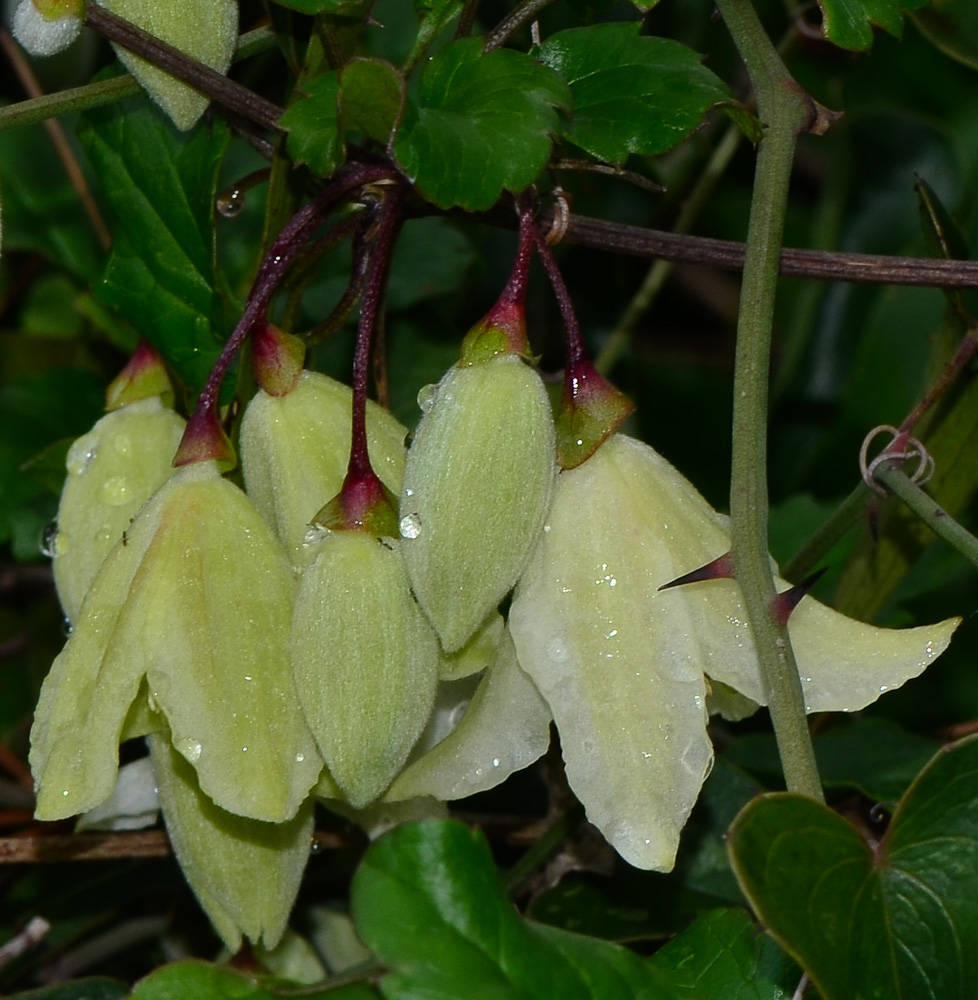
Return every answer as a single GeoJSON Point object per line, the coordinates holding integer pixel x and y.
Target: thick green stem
{"type": "Point", "coordinates": [785, 110]}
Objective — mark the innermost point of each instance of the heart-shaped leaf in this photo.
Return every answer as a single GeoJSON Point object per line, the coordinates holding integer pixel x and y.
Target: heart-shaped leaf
{"type": "Point", "coordinates": [893, 919]}
{"type": "Point", "coordinates": [482, 124]}
{"type": "Point", "coordinates": [632, 94]}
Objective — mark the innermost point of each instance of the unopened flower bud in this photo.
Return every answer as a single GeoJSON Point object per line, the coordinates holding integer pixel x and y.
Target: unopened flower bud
{"type": "Point", "coordinates": [244, 872]}
{"type": "Point", "coordinates": [295, 450]}
{"type": "Point", "coordinates": [365, 661]}
{"type": "Point", "coordinates": [143, 377]}
{"type": "Point", "coordinates": [476, 489]}
{"type": "Point", "coordinates": [206, 30]}
{"type": "Point", "coordinates": [112, 471]}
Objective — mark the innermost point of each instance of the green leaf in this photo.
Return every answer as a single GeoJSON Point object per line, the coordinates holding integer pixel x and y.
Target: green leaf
{"type": "Point", "coordinates": [95, 988]}
{"type": "Point", "coordinates": [897, 919]}
{"type": "Point", "coordinates": [314, 128]}
{"type": "Point", "coordinates": [372, 93]}
{"type": "Point", "coordinates": [723, 957]}
{"type": "Point", "coordinates": [481, 125]}
{"type": "Point", "coordinates": [952, 25]}
{"type": "Point", "coordinates": [428, 901]}
{"type": "Point", "coordinates": [632, 94]}
{"type": "Point", "coordinates": [161, 186]}
{"type": "Point", "coordinates": [848, 23]}
{"type": "Point", "coordinates": [320, 6]}
{"type": "Point", "coordinates": [200, 980]}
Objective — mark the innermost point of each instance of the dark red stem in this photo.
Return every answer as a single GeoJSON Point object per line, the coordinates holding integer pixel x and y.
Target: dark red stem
{"type": "Point", "coordinates": [572, 331]}
{"type": "Point", "coordinates": [373, 294]}
{"type": "Point", "coordinates": [280, 257]}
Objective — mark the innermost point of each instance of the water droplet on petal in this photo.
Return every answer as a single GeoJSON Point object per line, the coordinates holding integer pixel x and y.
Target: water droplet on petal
{"type": "Point", "coordinates": [495, 762]}
{"type": "Point", "coordinates": [81, 453]}
{"type": "Point", "coordinates": [190, 749]}
{"type": "Point", "coordinates": [427, 395]}
{"type": "Point", "coordinates": [410, 526]}
{"type": "Point", "coordinates": [300, 757]}
{"type": "Point", "coordinates": [67, 627]}
{"type": "Point", "coordinates": [315, 534]}
{"type": "Point", "coordinates": [49, 540]}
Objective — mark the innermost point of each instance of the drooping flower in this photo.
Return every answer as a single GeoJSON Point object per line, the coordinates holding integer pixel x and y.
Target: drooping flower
{"type": "Point", "coordinates": [624, 666]}
{"type": "Point", "coordinates": [193, 607]}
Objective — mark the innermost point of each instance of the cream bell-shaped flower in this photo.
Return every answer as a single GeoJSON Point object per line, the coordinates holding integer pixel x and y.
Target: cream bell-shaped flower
{"type": "Point", "coordinates": [245, 873]}
{"type": "Point", "coordinates": [206, 30]}
{"type": "Point", "coordinates": [622, 663]}
{"type": "Point", "coordinates": [476, 489]}
{"type": "Point", "coordinates": [365, 660]}
{"type": "Point", "coordinates": [295, 449]}
{"type": "Point", "coordinates": [195, 603]}
{"type": "Point", "coordinates": [112, 471]}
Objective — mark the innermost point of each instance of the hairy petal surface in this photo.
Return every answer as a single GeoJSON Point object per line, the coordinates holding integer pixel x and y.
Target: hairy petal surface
{"type": "Point", "coordinates": [206, 30]}
{"type": "Point", "coordinates": [245, 873]}
{"type": "Point", "coordinates": [476, 489]}
{"type": "Point", "coordinates": [365, 659]}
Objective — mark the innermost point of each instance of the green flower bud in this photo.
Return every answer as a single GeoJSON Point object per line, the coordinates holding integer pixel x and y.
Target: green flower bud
{"type": "Point", "coordinates": [622, 663]}
{"type": "Point", "coordinates": [196, 599]}
{"type": "Point", "coordinates": [112, 471]}
{"type": "Point", "coordinates": [365, 661]}
{"type": "Point", "coordinates": [206, 30]}
{"type": "Point", "coordinates": [245, 873]}
{"type": "Point", "coordinates": [477, 486]}
{"type": "Point", "coordinates": [295, 449]}
{"type": "Point", "coordinates": [504, 728]}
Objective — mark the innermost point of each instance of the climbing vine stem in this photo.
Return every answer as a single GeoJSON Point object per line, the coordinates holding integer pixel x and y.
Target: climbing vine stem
{"type": "Point", "coordinates": [785, 110]}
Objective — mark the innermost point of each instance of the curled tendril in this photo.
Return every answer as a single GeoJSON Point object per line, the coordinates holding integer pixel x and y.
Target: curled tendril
{"type": "Point", "coordinates": [902, 448]}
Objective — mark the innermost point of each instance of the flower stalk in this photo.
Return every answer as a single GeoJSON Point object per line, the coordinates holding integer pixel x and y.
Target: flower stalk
{"type": "Point", "coordinates": [786, 110]}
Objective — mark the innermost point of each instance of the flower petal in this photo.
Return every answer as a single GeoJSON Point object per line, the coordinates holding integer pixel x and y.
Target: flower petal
{"type": "Point", "coordinates": [614, 663]}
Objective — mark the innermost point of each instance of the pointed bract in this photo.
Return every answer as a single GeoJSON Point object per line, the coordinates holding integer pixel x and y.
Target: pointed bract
{"type": "Point", "coordinates": [476, 489]}
{"type": "Point", "coordinates": [365, 660]}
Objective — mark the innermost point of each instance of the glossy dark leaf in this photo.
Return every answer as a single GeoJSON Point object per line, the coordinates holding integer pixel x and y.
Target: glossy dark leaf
{"type": "Point", "coordinates": [313, 124]}
{"type": "Point", "coordinates": [848, 23]}
{"type": "Point", "coordinates": [161, 186]}
{"type": "Point", "coordinates": [724, 956]}
{"type": "Point", "coordinates": [894, 919]}
{"type": "Point", "coordinates": [631, 93]}
{"type": "Point", "coordinates": [481, 125]}
{"type": "Point", "coordinates": [428, 901]}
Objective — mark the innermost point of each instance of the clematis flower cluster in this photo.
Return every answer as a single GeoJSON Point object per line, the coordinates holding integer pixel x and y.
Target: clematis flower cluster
{"type": "Point", "coordinates": [302, 639]}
